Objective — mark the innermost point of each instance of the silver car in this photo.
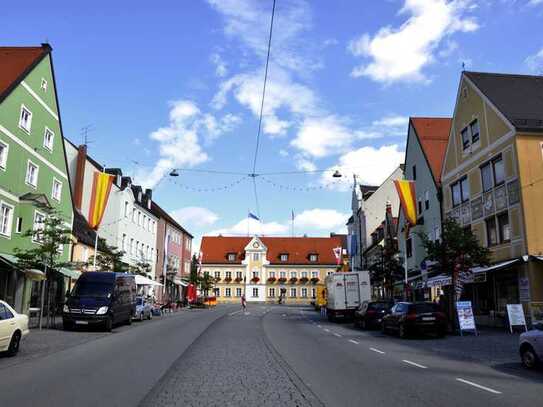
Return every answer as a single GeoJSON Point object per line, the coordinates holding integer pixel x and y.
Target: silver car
{"type": "Point", "coordinates": [143, 309]}
{"type": "Point", "coordinates": [531, 347]}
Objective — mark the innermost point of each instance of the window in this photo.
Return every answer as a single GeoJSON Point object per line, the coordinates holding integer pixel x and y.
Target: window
{"type": "Point", "coordinates": [414, 173]}
{"type": "Point", "coordinates": [409, 247]}
{"type": "Point", "coordinates": [283, 257]}
{"type": "Point", "coordinates": [4, 148]}
{"type": "Point", "coordinates": [491, 236]}
{"type": "Point", "coordinates": [314, 274]}
{"type": "Point", "coordinates": [126, 209]}
{"type": "Point", "coordinates": [133, 215]}
{"type": "Point", "coordinates": [217, 292]}
{"type": "Point", "coordinates": [255, 274]}
{"type": "Point", "coordinates": [427, 200]}
{"type": "Point", "coordinates": [313, 293]}
{"type": "Point", "coordinates": [48, 137]}
{"type": "Point", "coordinates": [5, 313]}
{"type": "Point", "coordinates": [492, 173]}
{"type": "Point", "coordinates": [227, 292]}
{"type": "Point", "coordinates": [132, 249]}
{"type": "Point", "coordinates": [6, 214]}
{"type": "Point", "coordinates": [460, 191]}
{"type": "Point", "coordinates": [313, 257]}
{"type": "Point", "coordinates": [419, 202]}
{"type": "Point", "coordinates": [271, 292]}
{"type": "Point", "coordinates": [25, 119]}
{"type": "Point", "coordinates": [123, 242]}
{"type": "Point", "coordinates": [503, 228]}
{"type": "Point", "coordinates": [19, 225]}
{"type": "Point", "coordinates": [56, 193]}
{"type": "Point", "coordinates": [271, 274]}
{"type": "Point", "coordinates": [292, 274]}
{"type": "Point", "coordinates": [238, 274]}
{"type": "Point", "coordinates": [499, 171]}
{"type": "Point", "coordinates": [293, 292]}
{"type": "Point", "coordinates": [32, 174]}
{"type": "Point", "coordinates": [256, 256]}
{"type": "Point", "coordinates": [283, 274]}
{"type": "Point", "coordinates": [231, 256]}
{"type": "Point", "coordinates": [486, 177]}
{"type": "Point", "coordinates": [39, 224]}
{"type": "Point", "coordinates": [304, 292]}
{"type": "Point", "coordinates": [228, 274]}
{"type": "Point", "coordinates": [474, 128]}
{"type": "Point", "coordinates": [255, 292]}
{"type": "Point", "coordinates": [304, 274]}
{"type": "Point", "coordinates": [217, 274]}
{"type": "Point", "coordinates": [465, 138]}
{"type": "Point", "coordinates": [43, 85]}
{"type": "Point", "coordinates": [139, 218]}
{"type": "Point", "coordinates": [238, 292]}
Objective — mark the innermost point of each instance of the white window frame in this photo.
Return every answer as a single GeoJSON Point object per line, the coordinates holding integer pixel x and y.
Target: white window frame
{"type": "Point", "coordinates": [314, 274]}
{"type": "Point", "coordinates": [304, 292]}
{"type": "Point", "coordinates": [43, 84]}
{"type": "Point", "coordinates": [228, 292]}
{"type": "Point", "coordinates": [9, 223]}
{"type": "Point", "coordinates": [293, 290]}
{"type": "Point", "coordinates": [19, 225]}
{"type": "Point", "coordinates": [58, 182]}
{"type": "Point", "coordinates": [126, 209]}
{"type": "Point", "coordinates": [45, 145]}
{"type": "Point", "coordinates": [4, 157]}
{"type": "Point", "coordinates": [255, 293]}
{"type": "Point", "coordinates": [238, 292]}
{"type": "Point", "coordinates": [283, 257]}
{"type": "Point", "coordinates": [271, 292]}
{"type": "Point", "coordinates": [28, 163]}
{"type": "Point", "coordinates": [35, 225]}
{"type": "Point", "coordinates": [313, 258]}
{"type": "Point", "coordinates": [29, 129]}
{"type": "Point", "coordinates": [123, 242]}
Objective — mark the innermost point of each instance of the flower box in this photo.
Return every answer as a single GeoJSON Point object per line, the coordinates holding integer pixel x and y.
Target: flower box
{"type": "Point", "coordinates": [293, 280]}
{"type": "Point", "coordinates": [315, 280]}
{"type": "Point", "coordinates": [238, 279]}
{"type": "Point", "coordinates": [282, 279]}
{"type": "Point", "coordinates": [271, 279]}
{"type": "Point", "coordinates": [255, 279]}
{"type": "Point", "coordinates": [304, 280]}
{"type": "Point", "coordinates": [228, 279]}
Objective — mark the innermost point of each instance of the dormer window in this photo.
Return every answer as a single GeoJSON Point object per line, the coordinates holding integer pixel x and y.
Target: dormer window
{"type": "Point", "coordinates": [313, 257]}
{"type": "Point", "coordinates": [256, 256]}
{"type": "Point", "coordinates": [283, 257]}
{"type": "Point", "coordinates": [231, 256]}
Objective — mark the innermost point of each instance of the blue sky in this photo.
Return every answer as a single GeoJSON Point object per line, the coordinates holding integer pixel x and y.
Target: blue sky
{"type": "Point", "coordinates": [177, 84]}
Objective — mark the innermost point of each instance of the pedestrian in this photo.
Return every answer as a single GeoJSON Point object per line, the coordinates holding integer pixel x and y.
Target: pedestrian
{"type": "Point", "coordinates": [323, 311]}
{"type": "Point", "coordinates": [243, 303]}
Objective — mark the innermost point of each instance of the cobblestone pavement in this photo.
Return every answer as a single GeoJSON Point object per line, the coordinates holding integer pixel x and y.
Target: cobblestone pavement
{"type": "Point", "coordinates": [231, 364]}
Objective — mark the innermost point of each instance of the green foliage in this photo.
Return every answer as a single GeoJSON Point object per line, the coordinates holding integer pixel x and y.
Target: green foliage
{"type": "Point", "coordinates": [51, 235]}
{"type": "Point", "coordinates": [206, 283]}
{"type": "Point", "coordinates": [458, 249]}
{"type": "Point", "coordinates": [111, 259]}
{"type": "Point", "coordinates": [142, 268]}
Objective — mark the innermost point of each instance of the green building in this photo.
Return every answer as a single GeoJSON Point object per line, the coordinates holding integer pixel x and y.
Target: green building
{"type": "Point", "coordinates": [33, 170]}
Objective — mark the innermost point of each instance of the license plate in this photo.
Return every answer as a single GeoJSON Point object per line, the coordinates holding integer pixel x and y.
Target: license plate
{"type": "Point", "coordinates": [81, 322]}
{"type": "Point", "coordinates": [428, 319]}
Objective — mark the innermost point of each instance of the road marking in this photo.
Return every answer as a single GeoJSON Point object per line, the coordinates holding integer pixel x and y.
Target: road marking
{"type": "Point", "coordinates": [478, 386]}
{"type": "Point", "coordinates": [326, 330]}
{"type": "Point", "coordinates": [414, 364]}
{"type": "Point", "coordinates": [319, 326]}
{"type": "Point", "coordinates": [353, 341]}
{"type": "Point", "coordinates": [338, 335]}
{"type": "Point", "coordinates": [234, 313]}
{"type": "Point", "coordinates": [377, 351]}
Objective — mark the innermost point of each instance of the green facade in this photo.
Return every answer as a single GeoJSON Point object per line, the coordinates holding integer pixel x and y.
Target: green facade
{"type": "Point", "coordinates": [24, 146]}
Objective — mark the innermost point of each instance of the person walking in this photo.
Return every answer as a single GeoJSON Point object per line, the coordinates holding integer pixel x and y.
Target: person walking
{"type": "Point", "coordinates": [243, 303]}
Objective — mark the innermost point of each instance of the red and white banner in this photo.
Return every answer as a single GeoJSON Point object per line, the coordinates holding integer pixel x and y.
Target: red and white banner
{"type": "Point", "coordinates": [337, 252]}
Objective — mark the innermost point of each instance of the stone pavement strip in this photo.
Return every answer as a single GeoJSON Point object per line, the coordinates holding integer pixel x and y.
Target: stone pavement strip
{"type": "Point", "coordinates": [231, 364]}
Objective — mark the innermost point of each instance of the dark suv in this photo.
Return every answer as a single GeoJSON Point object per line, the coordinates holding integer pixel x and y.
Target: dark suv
{"type": "Point", "coordinates": [407, 318]}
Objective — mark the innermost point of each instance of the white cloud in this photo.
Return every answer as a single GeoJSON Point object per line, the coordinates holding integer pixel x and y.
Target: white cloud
{"type": "Point", "coordinates": [535, 2]}
{"type": "Point", "coordinates": [304, 164]}
{"type": "Point", "coordinates": [221, 69]}
{"type": "Point", "coordinates": [400, 54]}
{"type": "Point", "coordinates": [392, 125]}
{"type": "Point", "coordinates": [179, 141]}
{"type": "Point", "coordinates": [371, 165]}
{"type": "Point", "coordinates": [253, 227]}
{"type": "Point", "coordinates": [320, 219]}
{"type": "Point", "coordinates": [535, 62]}
{"type": "Point", "coordinates": [194, 216]}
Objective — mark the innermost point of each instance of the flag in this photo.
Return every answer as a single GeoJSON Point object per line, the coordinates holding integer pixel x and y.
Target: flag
{"type": "Point", "coordinates": [337, 253]}
{"type": "Point", "coordinates": [251, 216]}
{"type": "Point", "coordinates": [408, 198]}
{"type": "Point", "coordinates": [101, 187]}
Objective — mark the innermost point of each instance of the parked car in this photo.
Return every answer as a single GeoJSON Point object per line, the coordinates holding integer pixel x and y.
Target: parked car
{"type": "Point", "coordinates": [143, 309]}
{"type": "Point", "coordinates": [370, 314]}
{"type": "Point", "coordinates": [531, 347]}
{"type": "Point", "coordinates": [13, 328]}
{"type": "Point", "coordinates": [406, 318]}
{"type": "Point", "coordinates": [101, 298]}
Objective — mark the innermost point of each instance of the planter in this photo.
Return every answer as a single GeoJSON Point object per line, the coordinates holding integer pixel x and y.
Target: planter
{"type": "Point", "coordinates": [255, 280]}
{"type": "Point", "coordinates": [293, 280]}
{"type": "Point", "coordinates": [228, 279]}
{"type": "Point", "coordinates": [304, 280]}
{"type": "Point", "coordinates": [238, 280]}
{"type": "Point", "coordinates": [315, 280]}
{"type": "Point", "coordinates": [282, 280]}
{"type": "Point", "coordinates": [271, 280]}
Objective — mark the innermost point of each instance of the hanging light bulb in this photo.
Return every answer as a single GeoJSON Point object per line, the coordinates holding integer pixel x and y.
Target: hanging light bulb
{"type": "Point", "coordinates": [337, 174]}
{"type": "Point", "coordinates": [174, 173]}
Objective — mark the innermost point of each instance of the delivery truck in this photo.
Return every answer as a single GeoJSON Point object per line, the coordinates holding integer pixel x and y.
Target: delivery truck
{"type": "Point", "coordinates": [346, 291]}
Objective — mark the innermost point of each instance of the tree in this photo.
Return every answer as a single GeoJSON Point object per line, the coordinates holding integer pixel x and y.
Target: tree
{"type": "Point", "coordinates": [456, 253]}
{"type": "Point", "coordinates": [51, 235]}
{"type": "Point", "coordinates": [206, 283]}
{"type": "Point", "coordinates": [110, 258]}
{"type": "Point", "coordinates": [142, 268]}
{"type": "Point", "coordinates": [194, 270]}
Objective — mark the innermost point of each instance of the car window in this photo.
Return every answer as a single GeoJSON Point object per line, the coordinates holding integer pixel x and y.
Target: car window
{"type": "Point", "coordinates": [5, 313]}
{"type": "Point", "coordinates": [379, 306]}
{"type": "Point", "coordinates": [401, 308]}
{"type": "Point", "coordinates": [425, 307]}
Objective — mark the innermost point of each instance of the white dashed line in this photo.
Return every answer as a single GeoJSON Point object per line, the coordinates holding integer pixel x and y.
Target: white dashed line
{"type": "Point", "coordinates": [414, 364]}
{"type": "Point", "coordinates": [377, 351]}
{"type": "Point", "coordinates": [478, 386]}
{"type": "Point", "coordinates": [338, 335]}
{"type": "Point", "coordinates": [234, 313]}
{"type": "Point", "coordinates": [353, 341]}
{"type": "Point", "coordinates": [319, 326]}
{"type": "Point", "coordinates": [326, 330]}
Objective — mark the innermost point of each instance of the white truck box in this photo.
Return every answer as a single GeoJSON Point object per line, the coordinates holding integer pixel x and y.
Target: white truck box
{"type": "Point", "coordinates": [346, 292]}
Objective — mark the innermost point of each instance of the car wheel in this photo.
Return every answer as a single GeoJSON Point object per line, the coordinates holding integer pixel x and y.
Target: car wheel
{"type": "Point", "coordinates": [108, 325]}
{"type": "Point", "coordinates": [529, 357]}
{"type": "Point", "coordinates": [14, 344]}
{"type": "Point", "coordinates": [402, 332]}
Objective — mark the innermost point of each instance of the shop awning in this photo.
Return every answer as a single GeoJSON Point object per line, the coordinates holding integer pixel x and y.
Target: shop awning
{"type": "Point", "coordinates": [142, 280]}
{"type": "Point", "coordinates": [73, 274]}
{"type": "Point", "coordinates": [34, 274]}
{"type": "Point", "coordinates": [495, 267]}
{"type": "Point", "coordinates": [9, 259]}
{"type": "Point", "coordinates": [178, 281]}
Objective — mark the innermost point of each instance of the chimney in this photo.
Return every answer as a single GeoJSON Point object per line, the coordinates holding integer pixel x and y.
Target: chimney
{"type": "Point", "coordinates": [80, 175]}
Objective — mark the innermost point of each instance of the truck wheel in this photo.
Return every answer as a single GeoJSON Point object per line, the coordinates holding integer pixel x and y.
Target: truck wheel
{"type": "Point", "coordinates": [14, 344]}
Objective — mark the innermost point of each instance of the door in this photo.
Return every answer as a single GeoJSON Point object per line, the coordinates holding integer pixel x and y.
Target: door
{"type": "Point", "coordinates": [7, 326]}
{"type": "Point", "coordinates": [352, 291]}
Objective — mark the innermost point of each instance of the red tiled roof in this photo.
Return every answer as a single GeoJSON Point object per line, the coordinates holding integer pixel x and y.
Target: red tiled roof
{"type": "Point", "coordinates": [15, 62]}
{"type": "Point", "coordinates": [215, 249]}
{"type": "Point", "coordinates": [433, 134]}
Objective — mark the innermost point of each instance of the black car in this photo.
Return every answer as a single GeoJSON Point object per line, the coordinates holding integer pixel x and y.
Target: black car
{"type": "Point", "coordinates": [101, 298]}
{"type": "Point", "coordinates": [370, 314]}
{"type": "Point", "coordinates": [406, 318]}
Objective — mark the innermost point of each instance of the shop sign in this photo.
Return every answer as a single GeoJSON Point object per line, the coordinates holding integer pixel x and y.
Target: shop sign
{"type": "Point", "coordinates": [515, 312]}
{"type": "Point", "coordinates": [466, 319]}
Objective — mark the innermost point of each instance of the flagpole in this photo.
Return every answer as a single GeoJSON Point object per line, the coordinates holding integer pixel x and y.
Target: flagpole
{"type": "Point", "coordinates": [95, 251]}
{"type": "Point", "coordinates": [248, 223]}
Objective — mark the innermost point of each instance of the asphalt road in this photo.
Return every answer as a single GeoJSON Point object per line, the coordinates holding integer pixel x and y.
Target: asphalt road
{"type": "Point", "coordinates": [268, 356]}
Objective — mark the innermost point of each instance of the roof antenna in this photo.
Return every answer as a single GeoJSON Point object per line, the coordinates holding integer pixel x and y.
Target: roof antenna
{"type": "Point", "coordinates": [463, 66]}
{"type": "Point", "coordinates": [85, 130]}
